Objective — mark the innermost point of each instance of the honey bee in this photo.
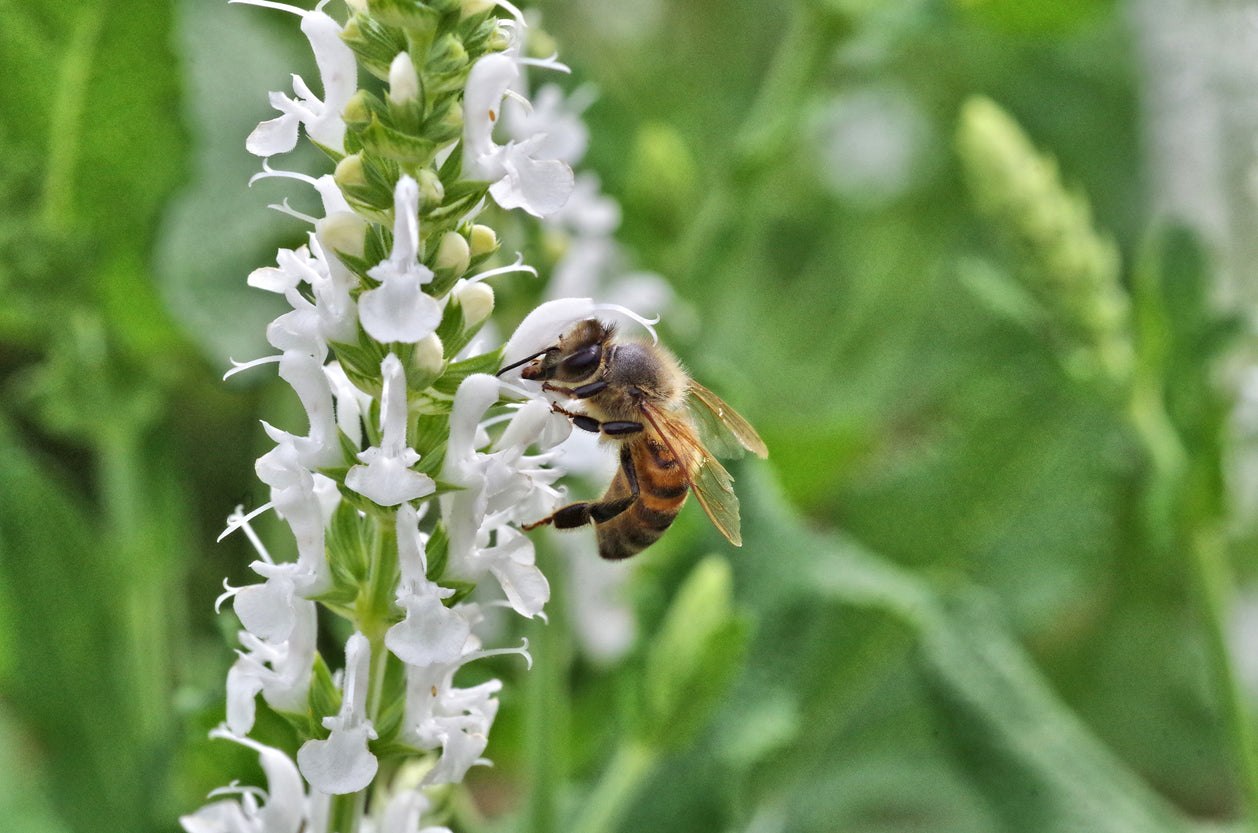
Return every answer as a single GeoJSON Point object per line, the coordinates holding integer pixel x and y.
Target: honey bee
{"type": "Point", "coordinates": [638, 397]}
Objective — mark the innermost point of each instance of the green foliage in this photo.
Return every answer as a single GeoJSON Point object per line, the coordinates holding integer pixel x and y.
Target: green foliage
{"type": "Point", "coordinates": [978, 591]}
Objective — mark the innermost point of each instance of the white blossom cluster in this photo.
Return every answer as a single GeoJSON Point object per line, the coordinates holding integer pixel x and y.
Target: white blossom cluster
{"type": "Point", "coordinates": [376, 345]}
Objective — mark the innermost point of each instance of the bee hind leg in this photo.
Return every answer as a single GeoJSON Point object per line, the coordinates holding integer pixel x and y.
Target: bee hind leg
{"type": "Point", "coordinates": [579, 514]}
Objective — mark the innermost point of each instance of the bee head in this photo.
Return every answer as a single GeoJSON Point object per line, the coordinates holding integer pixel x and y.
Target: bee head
{"type": "Point", "coordinates": [578, 357]}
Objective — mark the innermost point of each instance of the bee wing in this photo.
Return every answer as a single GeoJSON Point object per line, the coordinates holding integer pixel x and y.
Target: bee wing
{"type": "Point", "coordinates": [722, 428]}
{"type": "Point", "coordinates": [714, 488]}
{"type": "Point", "coordinates": [710, 482]}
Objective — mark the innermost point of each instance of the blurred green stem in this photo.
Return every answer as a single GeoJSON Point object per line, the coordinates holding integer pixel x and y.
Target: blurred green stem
{"type": "Point", "coordinates": [1215, 584]}
{"type": "Point", "coordinates": [66, 116]}
{"type": "Point", "coordinates": [1170, 505]}
{"type": "Point", "coordinates": [770, 130]}
{"type": "Point", "coordinates": [629, 768]}
{"type": "Point", "coordinates": [143, 606]}
{"type": "Point", "coordinates": [346, 811]}
{"type": "Point", "coordinates": [548, 706]}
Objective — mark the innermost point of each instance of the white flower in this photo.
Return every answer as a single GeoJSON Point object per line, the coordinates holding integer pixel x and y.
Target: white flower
{"type": "Point", "coordinates": [455, 719]}
{"type": "Point", "coordinates": [297, 497]}
{"type": "Point", "coordinates": [279, 810]}
{"type": "Point", "coordinates": [343, 763]}
{"type": "Point", "coordinates": [352, 404]}
{"type": "Point", "coordinates": [431, 633]}
{"type": "Point", "coordinates": [539, 186]}
{"type": "Point", "coordinates": [500, 486]}
{"type": "Point", "coordinates": [267, 610]}
{"type": "Point", "coordinates": [385, 475]}
{"type": "Point", "coordinates": [306, 376]}
{"type": "Point", "coordinates": [554, 116]}
{"type": "Point", "coordinates": [280, 670]}
{"type": "Point", "coordinates": [399, 309]}
{"type": "Point", "coordinates": [338, 73]}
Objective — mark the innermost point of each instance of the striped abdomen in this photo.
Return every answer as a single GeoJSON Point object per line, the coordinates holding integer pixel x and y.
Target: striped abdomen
{"type": "Point", "coordinates": [662, 488]}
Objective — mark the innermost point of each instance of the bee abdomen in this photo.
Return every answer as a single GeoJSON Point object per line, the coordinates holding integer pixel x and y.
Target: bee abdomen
{"type": "Point", "coordinates": [639, 526]}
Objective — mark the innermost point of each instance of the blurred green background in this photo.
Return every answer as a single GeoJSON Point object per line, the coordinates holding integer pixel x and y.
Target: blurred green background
{"type": "Point", "coordinates": [984, 584]}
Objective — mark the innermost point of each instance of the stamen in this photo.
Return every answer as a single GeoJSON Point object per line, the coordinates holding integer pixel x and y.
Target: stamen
{"type": "Point", "coordinates": [234, 523]}
{"type": "Point", "coordinates": [231, 591]}
{"type": "Point", "coordinates": [546, 63]}
{"type": "Point", "coordinates": [285, 208]}
{"type": "Point", "coordinates": [270, 4]}
{"type": "Point", "coordinates": [648, 325]}
{"type": "Point", "coordinates": [237, 367]}
{"type": "Point", "coordinates": [268, 172]}
{"type": "Point", "coordinates": [523, 651]}
{"type": "Point", "coordinates": [518, 266]}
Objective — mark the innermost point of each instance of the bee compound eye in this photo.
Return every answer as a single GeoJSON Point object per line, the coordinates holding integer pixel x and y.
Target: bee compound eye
{"type": "Point", "coordinates": [582, 361]}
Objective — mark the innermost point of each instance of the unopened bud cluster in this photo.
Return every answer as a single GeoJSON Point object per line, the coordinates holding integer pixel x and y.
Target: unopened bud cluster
{"type": "Point", "coordinates": [1069, 267]}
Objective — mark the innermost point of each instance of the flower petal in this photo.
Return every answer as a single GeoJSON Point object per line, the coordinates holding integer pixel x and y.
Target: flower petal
{"type": "Point", "coordinates": [430, 634]}
{"type": "Point", "coordinates": [341, 764]}
{"type": "Point", "coordinates": [399, 310]}
{"type": "Point", "coordinates": [539, 186]}
{"type": "Point", "coordinates": [278, 135]}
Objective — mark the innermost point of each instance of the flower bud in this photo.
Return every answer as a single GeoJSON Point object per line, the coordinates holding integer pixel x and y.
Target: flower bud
{"type": "Point", "coordinates": [427, 361]}
{"type": "Point", "coordinates": [358, 110]}
{"type": "Point", "coordinates": [416, 18]}
{"type": "Point", "coordinates": [471, 7]}
{"type": "Point", "coordinates": [448, 54]}
{"type": "Point", "coordinates": [484, 240]}
{"type": "Point", "coordinates": [476, 300]}
{"type": "Point", "coordinates": [406, 110]}
{"type": "Point", "coordinates": [453, 254]}
{"type": "Point", "coordinates": [343, 231]}
{"type": "Point", "coordinates": [431, 191]}
{"type": "Point", "coordinates": [349, 172]}
{"type": "Point", "coordinates": [403, 81]}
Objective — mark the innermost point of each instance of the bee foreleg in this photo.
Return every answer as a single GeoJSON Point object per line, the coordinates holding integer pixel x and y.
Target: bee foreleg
{"type": "Point", "coordinates": [579, 514]}
{"type": "Point", "coordinates": [613, 428]}
{"type": "Point", "coordinates": [581, 392]}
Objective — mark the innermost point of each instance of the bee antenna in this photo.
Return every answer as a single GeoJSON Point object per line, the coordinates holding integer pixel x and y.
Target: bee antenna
{"type": "Point", "coordinates": [647, 324]}
{"type": "Point", "coordinates": [525, 360]}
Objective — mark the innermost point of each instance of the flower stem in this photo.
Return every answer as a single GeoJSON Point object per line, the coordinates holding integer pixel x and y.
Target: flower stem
{"type": "Point", "coordinates": [346, 812]}
{"type": "Point", "coordinates": [629, 768]}
{"type": "Point", "coordinates": [769, 131]}
{"type": "Point", "coordinates": [548, 707]}
{"type": "Point", "coordinates": [1214, 583]}
{"type": "Point", "coordinates": [66, 120]}
{"type": "Point", "coordinates": [1169, 499]}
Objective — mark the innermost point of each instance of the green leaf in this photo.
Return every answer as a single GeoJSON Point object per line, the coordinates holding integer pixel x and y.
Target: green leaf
{"type": "Point", "coordinates": [693, 658]}
{"type": "Point", "coordinates": [324, 700]}
{"type": "Point", "coordinates": [1036, 763]}
{"type": "Point", "coordinates": [455, 374]}
{"type": "Point", "coordinates": [349, 544]}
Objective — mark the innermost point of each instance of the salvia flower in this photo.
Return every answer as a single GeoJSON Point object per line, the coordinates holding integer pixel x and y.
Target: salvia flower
{"type": "Point", "coordinates": [407, 481]}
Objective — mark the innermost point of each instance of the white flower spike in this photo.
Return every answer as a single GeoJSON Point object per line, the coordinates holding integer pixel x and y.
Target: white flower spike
{"type": "Point", "coordinates": [344, 312]}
